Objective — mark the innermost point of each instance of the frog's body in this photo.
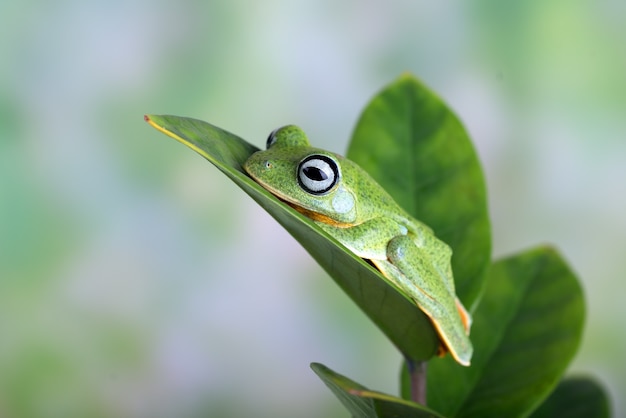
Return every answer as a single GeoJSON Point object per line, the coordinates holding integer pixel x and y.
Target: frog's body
{"type": "Point", "coordinates": [352, 207]}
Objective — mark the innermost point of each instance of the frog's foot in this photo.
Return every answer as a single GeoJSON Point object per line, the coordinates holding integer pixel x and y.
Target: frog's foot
{"type": "Point", "coordinates": [442, 350]}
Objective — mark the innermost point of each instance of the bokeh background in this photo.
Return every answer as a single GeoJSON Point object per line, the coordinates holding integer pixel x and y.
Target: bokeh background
{"type": "Point", "coordinates": [137, 281]}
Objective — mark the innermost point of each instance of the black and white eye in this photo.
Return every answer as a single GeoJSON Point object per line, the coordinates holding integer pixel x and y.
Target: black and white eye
{"type": "Point", "coordinates": [318, 174]}
{"type": "Point", "coordinates": [271, 139]}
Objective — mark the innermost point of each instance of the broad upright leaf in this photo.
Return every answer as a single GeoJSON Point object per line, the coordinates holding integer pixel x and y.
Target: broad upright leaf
{"type": "Point", "coordinates": [417, 149]}
{"type": "Point", "coordinates": [526, 330]}
{"type": "Point", "coordinates": [403, 323]}
{"type": "Point", "coordinates": [364, 403]}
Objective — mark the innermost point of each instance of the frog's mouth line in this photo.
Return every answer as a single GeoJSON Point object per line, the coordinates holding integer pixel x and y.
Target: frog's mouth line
{"type": "Point", "coordinates": [314, 216]}
{"type": "Point", "coordinates": [318, 217]}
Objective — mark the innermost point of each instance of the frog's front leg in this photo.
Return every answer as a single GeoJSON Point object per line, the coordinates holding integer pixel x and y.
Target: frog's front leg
{"type": "Point", "coordinates": [411, 268]}
{"type": "Point", "coordinates": [369, 239]}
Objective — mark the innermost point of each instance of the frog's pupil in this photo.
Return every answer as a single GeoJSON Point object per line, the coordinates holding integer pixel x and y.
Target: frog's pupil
{"type": "Point", "coordinates": [315, 173]}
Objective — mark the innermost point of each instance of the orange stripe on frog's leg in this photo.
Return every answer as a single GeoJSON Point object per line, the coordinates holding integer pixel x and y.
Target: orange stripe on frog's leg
{"type": "Point", "coordinates": [465, 316]}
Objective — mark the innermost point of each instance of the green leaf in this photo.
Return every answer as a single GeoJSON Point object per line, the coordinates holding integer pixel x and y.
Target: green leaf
{"type": "Point", "coordinates": [226, 151]}
{"type": "Point", "coordinates": [417, 149]}
{"type": "Point", "coordinates": [363, 403]}
{"type": "Point", "coordinates": [526, 330]}
{"type": "Point", "coordinates": [413, 334]}
{"type": "Point", "coordinates": [575, 397]}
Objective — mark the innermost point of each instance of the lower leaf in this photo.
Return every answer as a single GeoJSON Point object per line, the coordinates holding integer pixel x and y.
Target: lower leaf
{"type": "Point", "coordinates": [363, 403]}
{"type": "Point", "coordinates": [575, 397]}
{"type": "Point", "coordinates": [526, 330]}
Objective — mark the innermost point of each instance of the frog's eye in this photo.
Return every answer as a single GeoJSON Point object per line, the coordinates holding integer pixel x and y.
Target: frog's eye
{"type": "Point", "coordinates": [271, 139]}
{"type": "Point", "coordinates": [318, 174]}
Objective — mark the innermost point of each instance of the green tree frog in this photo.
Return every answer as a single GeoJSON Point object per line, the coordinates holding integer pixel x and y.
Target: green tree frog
{"type": "Point", "coordinates": [343, 200]}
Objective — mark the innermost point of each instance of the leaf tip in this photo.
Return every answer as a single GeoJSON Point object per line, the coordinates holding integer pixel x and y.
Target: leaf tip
{"type": "Point", "coordinates": [158, 126]}
{"type": "Point", "coordinates": [406, 75]}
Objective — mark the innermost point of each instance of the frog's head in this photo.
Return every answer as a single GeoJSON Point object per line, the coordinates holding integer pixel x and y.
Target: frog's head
{"type": "Point", "coordinates": [309, 179]}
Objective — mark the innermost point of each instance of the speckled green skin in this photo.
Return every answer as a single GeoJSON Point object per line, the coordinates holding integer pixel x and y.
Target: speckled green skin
{"type": "Point", "coordinates": [365, 219]}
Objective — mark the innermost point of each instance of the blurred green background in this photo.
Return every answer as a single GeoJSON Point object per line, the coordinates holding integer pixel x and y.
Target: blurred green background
{"type": "Point", "coordinates": [137, 281]}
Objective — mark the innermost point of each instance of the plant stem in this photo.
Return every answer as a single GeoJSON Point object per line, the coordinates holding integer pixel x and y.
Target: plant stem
{"type": "Point", "coordinates": [417, 375]}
